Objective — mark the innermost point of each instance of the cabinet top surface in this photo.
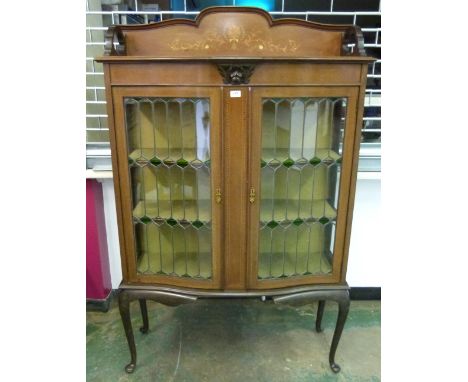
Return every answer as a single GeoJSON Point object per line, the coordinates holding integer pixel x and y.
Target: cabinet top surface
{"type": "Point", "coordinates": [234, 33]}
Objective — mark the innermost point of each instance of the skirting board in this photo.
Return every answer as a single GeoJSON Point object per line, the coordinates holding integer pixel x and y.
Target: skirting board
{"type": "Point", "coordinates": [100, 305]}
{"type": "Point", "coordinates": [364, 293]}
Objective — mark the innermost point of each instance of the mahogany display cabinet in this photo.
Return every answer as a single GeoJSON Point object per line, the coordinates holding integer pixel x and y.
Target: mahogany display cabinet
{"type": "Point", "coordinates": [235, 142]}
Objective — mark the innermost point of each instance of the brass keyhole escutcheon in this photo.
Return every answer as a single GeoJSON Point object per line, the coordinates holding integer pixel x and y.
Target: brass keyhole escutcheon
{"type": "Point", "coordinates": [252, 195]}
{"type": "Point", "coordinates": [218, 195]}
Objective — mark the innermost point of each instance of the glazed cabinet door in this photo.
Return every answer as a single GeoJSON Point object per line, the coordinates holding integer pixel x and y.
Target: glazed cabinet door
{"type": "Point", "coordinates": [300, 163]}
{"type": "Point", "coordinates": [168, 145]}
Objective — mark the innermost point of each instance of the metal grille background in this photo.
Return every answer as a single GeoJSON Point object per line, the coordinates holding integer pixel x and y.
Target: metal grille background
{"type": "Point", "coordinates": [102, 13]}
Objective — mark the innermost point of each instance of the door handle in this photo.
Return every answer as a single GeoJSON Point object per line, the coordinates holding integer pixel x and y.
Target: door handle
{"type": "Point", "coordinates": [218, 196]}
{"type": "Point", "coordinates": [252, 195]}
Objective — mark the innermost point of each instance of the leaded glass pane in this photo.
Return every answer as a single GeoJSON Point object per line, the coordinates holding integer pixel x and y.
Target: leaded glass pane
{"type": "Point", "coordinates": [169, 157]}
{"type": "Point", "coordinates": [302, 140]}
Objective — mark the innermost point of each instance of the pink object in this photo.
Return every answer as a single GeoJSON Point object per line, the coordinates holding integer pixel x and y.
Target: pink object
{"type": "Point", "coordinates": [98, 281]}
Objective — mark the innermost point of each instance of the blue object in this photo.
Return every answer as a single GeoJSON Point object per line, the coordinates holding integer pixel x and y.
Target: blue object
{"type": "Point", "coordinates": [267, 5]}
{"type": "Point", "coordinates": [177, 5]}
{"type": "Point", "coordinates": [198, 5]}
{"type": "Point", "coordinates": [193, 5]}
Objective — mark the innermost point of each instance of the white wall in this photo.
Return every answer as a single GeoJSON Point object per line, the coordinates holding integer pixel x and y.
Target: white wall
{"type": "Point", "coordinates": [364, 252]}
{"type": "Point", "coordinates": [364, 255]}
{"type": "Point", "coordinates": [112, 232]}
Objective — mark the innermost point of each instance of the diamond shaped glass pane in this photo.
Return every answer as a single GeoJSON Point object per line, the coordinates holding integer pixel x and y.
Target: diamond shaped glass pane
{"type": "Point", "coordinates": [324, 220]}
{"type": "Point", "coordinates": [288, 162]}
{"type": "Point", "coordinates": [272, 224]}
{"type": "Point", "coordinates": [182, 163]}
{"type": "Point", "coordinates": [155, 161]}
{"type": "Point", "coordinates": [274, 163]}
{"type": "Point", "coordinates": [197, 163]}
{"type": "Point", "coordinates": [171, 222]}
{"type": "Point", "coordinates": [315, 161]}
{"type": "Point", "coordinates": [197, 224]}
{"type": "Point", "coordinates": [145, 219]}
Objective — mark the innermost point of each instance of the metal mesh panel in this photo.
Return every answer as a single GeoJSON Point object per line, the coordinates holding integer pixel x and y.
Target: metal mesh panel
{"type": "Point", "coordinates": [102, 13]}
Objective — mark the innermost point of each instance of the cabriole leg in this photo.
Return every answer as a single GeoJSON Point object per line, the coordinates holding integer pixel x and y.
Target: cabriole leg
{"type": "Point", "coordinates": [343, 309]}
{"type": "Point", "coordinates": [318, 321]}
{"type": "Point", "coordinates": [124, 308]}
{"type": "Point", "coordinates": [341, 296]}
{"type": "Point", "coordinates": [144, 315]}
{"type": "Point", "coordinates": [128, 295]}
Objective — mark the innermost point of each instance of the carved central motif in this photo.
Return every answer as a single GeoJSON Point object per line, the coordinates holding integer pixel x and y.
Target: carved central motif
{"type": "Point", "coordinates": [233, 37]}
{"type": "Point", "coordinates": [235, 74]}
{"type": "Point", "coordinates": [234, 34]}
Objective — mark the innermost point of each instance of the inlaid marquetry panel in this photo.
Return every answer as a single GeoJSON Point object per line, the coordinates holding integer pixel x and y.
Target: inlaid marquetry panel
{"type": "Point", "coordinates": [236, 32]}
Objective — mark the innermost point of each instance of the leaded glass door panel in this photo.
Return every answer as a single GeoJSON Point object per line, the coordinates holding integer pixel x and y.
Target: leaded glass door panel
{"type": "Point", "coordinates": [298, 171]}
{"type": "Point", "coordinates": [171, 139]}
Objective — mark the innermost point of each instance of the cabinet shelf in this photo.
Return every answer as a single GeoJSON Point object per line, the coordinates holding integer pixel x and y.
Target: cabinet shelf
{"type": "Point", "coordinates": [279, 265]}
{"type": "Point", "coordinates": [186, 157]}
{"type": "Point", "coordinates": [279, 210]}
{"type": "Point", "coordinates": [193, 265]}
{"type": "Point", "coordinates": [283, 157]}
{"type": "Point", "coordinates": [189, 211]}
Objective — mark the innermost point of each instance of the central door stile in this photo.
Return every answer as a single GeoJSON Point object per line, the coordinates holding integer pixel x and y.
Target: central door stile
{"type": "Point", "coordinates": [235, 185]}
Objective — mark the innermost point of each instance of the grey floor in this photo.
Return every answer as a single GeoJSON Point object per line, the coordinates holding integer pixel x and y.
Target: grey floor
{"type": "Point", "coordinates": [235, 341]}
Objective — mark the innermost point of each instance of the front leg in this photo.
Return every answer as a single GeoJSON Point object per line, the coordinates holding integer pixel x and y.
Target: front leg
{"type": "Point", "coordinates": [124, 308]}
{"type": "Point", "coordinates": [341, 296]}
{"type": "Point", "coordinates": [343, 309]}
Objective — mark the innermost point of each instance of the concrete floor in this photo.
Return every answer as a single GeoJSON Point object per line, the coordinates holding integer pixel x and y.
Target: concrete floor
{"type": "Point", "coordinates": [236, 341]}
